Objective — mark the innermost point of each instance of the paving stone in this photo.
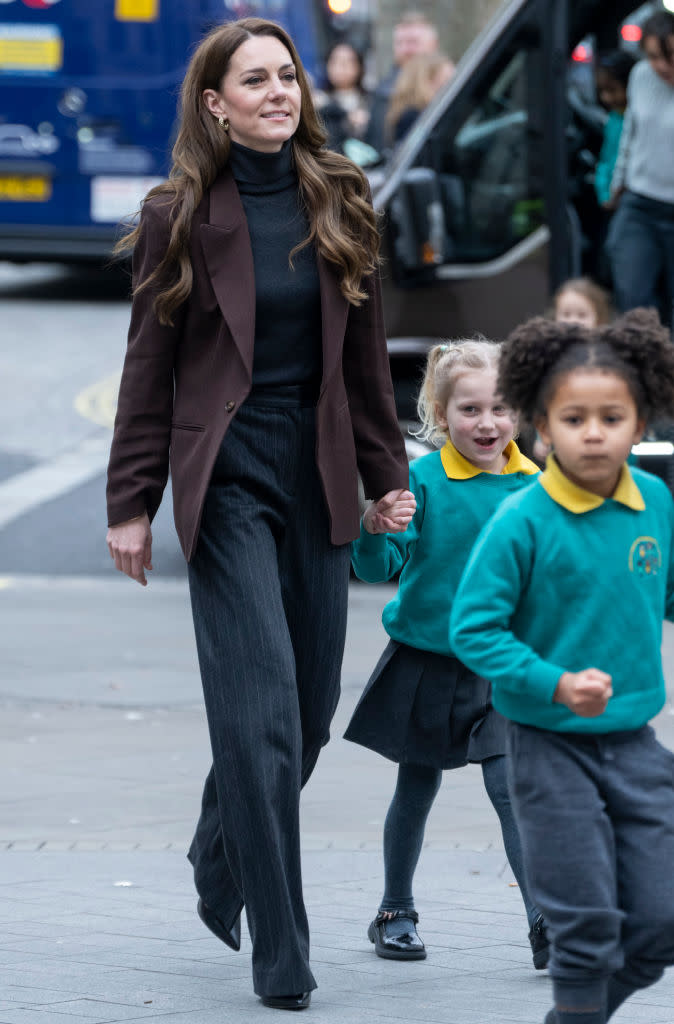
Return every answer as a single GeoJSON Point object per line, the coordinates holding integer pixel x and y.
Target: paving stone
{"type": "Point", "coordinates": [77, 943]}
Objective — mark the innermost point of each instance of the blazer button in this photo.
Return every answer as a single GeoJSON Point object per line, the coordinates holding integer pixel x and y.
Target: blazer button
{"type": "Point", "coordinates": [230, 406]}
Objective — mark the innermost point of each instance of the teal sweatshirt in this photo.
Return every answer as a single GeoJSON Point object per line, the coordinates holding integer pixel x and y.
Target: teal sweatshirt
{"type": "Point", "coordinates": [454, 500]}
{"type": "Point", "coordinates": [608, 156]}
{"type": "Point", "coordinates": [563, 580]}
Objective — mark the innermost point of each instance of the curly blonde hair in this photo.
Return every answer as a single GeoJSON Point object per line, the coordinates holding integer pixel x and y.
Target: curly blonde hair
{"type": "Point", "coordinates": [444, 365]}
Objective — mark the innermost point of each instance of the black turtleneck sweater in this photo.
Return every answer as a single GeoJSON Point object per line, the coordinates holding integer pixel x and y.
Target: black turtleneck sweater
{"type": "Point", "coordinates": [287, 301]}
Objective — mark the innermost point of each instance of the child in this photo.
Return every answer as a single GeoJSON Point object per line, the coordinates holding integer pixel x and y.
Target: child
{"type": "Point", "coordinates": [581, 301]}
{"type": "Point", "coordinates": [422, 707]}
{"type": "Point", "coordinates": [561, 606]}
{"type": "Point", "coordinates": [611, 75]}
{"type": "Point", "coordinates": [577, 301]}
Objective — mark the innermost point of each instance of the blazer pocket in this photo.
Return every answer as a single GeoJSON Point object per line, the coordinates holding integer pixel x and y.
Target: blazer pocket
{"type": "Point", "coordinates": [187, 426]}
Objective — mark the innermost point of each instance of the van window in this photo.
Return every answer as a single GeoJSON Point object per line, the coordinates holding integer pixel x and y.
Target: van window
{"type": "Point", "coordinates": [490, 162]}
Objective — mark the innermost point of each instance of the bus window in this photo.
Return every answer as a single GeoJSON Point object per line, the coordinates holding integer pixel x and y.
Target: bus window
{"type": "Point", "coordinates": [490, 166]}
{"type": "Point", "coordinates": [88, 93]}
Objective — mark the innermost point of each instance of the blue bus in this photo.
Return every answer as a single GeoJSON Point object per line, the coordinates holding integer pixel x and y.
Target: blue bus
{"type": "Point", "coordinates": [88, 92]}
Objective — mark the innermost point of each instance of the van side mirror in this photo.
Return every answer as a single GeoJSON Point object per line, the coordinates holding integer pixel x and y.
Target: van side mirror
{"type": "Point", "coordinates": [417, 219]}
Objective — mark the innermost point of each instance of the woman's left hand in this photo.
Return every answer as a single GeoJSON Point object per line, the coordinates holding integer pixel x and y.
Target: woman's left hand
{"type": "Point", "coordinates": [390, 514]}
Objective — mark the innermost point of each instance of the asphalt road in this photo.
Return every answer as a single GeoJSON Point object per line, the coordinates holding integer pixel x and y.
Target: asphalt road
{"type": "Point", "coordinates": [61, 351]}
{"type": "Point", "coordinates": [104, 746]}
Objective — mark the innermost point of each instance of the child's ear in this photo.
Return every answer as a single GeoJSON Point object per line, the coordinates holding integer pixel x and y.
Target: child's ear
{"type": "Point", "coordinates": [639, 432]}
{"type": "Point", "coordinates": [541, 425]}
{"type": "Point", "coordinates": [440, 416]}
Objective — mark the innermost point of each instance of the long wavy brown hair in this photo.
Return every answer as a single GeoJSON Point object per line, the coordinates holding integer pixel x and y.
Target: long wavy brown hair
{"type": "Point", "coordinates": [335, 192]}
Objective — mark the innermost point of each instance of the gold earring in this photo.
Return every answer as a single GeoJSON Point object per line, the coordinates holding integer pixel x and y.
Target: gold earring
{"type": "Point", "coordinates": [223, 122]}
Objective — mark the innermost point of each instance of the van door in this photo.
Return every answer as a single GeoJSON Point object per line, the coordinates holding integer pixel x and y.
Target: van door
{"type": "Point", "coordinates": [466, 236]}
{"type": "Point", "coordinates": [478, 224]}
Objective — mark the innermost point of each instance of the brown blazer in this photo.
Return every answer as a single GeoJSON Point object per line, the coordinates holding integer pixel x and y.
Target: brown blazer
{"type": "Point", "coordinates": [181, 385]}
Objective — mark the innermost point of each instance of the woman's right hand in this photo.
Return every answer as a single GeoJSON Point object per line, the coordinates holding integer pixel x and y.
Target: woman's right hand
{"type": "Point", "coordinates": [130, 547]}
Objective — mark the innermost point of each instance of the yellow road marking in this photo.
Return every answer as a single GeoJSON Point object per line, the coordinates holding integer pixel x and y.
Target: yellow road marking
{"type": "Point", "coordinates": [98, 402]}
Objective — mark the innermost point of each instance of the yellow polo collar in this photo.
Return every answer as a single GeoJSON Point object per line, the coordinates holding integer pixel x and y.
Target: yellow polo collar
{"type": "Point", "coordinates": [577, 499]}
{"type": "Point", "coordinates": [459, 468]}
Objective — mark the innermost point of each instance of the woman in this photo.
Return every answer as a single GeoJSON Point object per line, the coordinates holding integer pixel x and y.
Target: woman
{"type": "Point", "coordinates": [640, 242]}
{"type": "Point", "coordinates": [344, 104]}
{"type": "Point", "coordinates": [416, 85]}
{"type": "Point", "coordinates": [257, 356]}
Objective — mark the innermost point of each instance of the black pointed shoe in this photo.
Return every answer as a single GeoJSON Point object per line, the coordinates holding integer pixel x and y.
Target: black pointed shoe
{"type": "Point", "coordinates": [540, 944]}
{"type": "Point", "coordinates": [395, 936]}
{"type": "Point", "coordinates": [299, 1001]}
{"type": "Point", "coordinates": [230, 936]}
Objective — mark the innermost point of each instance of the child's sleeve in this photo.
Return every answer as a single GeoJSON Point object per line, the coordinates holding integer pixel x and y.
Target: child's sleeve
{"type": "Point", "coordinates": [607, 159]}
{"type": "Point", "coordinates": [620, 169]}
{"type": "Point", "coordinates": [488, 595]}
{"type": "Point", "coordinates": [377, 557]}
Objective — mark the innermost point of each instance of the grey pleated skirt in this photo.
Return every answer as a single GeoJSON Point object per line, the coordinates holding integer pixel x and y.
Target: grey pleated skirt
{"type": "Point", "coordinates": [425, 708]}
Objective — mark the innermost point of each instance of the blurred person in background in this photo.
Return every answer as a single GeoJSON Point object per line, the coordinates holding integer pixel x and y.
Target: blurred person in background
{"type": "Point", "coordinates": [640, 241]}
{"type": "Point", "coordinates": [612, 72]}
{"type": "Point", "coordinates": [413, 34]}
{"type": "Point", "coordinates": [415, 87]}
{"type": "Point", "coordinates": [611, 75]}
{"type": "Point", "coordinates": [343, 103]}
{"type": "Point", "coordinates": [581, 301]}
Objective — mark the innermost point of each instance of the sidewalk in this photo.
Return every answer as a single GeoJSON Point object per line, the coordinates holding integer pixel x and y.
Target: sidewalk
{"type": "Point", "coordinates": [103, 749]}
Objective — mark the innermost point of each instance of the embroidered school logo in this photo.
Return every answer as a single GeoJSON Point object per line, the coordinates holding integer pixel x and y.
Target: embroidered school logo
{"type": "Point", "coordinates": [645, 557]}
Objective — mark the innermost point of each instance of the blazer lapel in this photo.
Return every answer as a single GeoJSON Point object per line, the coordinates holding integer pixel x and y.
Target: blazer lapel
{"type": "Point", "coordinates": [229, 260]}
{"type": "Point", "coordinates": [334, 311]}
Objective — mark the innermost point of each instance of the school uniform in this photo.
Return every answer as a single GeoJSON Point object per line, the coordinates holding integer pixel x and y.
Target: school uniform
{"type": "Point", "coordinates": [562, 580]}
{"type": "Point", "coordinates": [421, 705]}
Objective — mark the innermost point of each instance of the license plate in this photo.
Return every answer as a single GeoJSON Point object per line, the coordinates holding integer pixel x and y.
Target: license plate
{"type": "Point", "coordinates": [30, 48]}
{"type": "Point", "coordinates": [24, 188]}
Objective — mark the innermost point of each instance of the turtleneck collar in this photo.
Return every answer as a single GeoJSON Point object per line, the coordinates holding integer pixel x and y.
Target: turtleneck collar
{"type": "Point", "coordinates": [255, 171]}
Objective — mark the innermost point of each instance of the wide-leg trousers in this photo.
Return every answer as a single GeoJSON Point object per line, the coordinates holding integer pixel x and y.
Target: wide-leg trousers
{"type": "Point", "coordinates": [596, 818]}
{"type": "Point", "coordinates": [269, 600]}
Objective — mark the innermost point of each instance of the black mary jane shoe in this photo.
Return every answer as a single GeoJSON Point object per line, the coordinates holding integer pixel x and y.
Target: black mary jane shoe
{"type": "Point", "coordinates": [299, 1001]}
{"type": "Point", "coordinates": [396, 943]}
{"type": "Point", "coordinates": [230, 936]}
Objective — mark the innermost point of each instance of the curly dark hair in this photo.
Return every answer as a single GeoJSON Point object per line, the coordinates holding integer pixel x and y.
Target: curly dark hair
{"type": "Point", "coordinates": [538, 353]}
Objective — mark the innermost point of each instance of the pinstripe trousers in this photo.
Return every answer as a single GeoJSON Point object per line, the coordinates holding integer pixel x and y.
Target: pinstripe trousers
{"type": "Point", "coordinates": [269, 598]}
